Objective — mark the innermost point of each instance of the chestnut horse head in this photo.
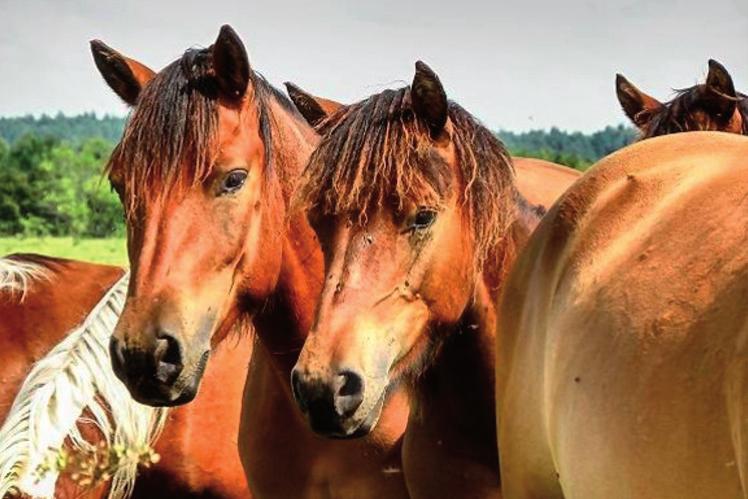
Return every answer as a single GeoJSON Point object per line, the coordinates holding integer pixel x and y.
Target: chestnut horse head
{"type": "Point", "coordinates": [409, 196]}
{"type": "Point", "coordinates": [714, 105]}
{"type": "Point", "coordinates": [200, 170]}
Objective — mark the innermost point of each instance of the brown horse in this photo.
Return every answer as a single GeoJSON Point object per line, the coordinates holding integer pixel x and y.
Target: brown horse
{"type": "Point", "coordinates": [714, 105]}
{"type": "Point", "coordinates": [415, 205]}
{"type": "Point", "coordinates": [205, 169]}
{"type": "Point", "coordinates": [622, 361]}
{"type": "Point", "coordinates": [198, 445]}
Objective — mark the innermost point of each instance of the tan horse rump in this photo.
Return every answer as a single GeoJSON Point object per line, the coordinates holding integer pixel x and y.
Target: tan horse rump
{"type": "Point", "coordinates": [622, 345]}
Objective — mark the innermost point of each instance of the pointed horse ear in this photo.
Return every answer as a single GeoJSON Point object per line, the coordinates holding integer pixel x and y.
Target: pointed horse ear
{"type": "Point", "coordinates": [230, 63]}
{"type": "Point", "coordinates": [429, 99]}
{"type": "Point", "coordinates": [634, 102]}
{"type": "Point", "coordinates": [125, 76]}
{"type": "Point", "coordinates": [314, 109]}
{"type": "Point", "coordinates": [719, 97]}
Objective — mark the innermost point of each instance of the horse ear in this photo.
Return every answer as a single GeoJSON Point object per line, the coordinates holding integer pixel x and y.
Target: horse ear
{"type": "Point", "coordinates": [720, 97]}
{"type": "Point", "coordinates": [313, 109]}
{"type": "Point", "coordinates": [230, 63]}
{"type": "Point", "coordinates": [429, 99]}
{"type": "Point", "coordinates": [125, 76]}
{"type": "Point", "coordinates": [634, 102]}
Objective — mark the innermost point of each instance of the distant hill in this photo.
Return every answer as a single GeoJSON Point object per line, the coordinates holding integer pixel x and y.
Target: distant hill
{"type": "Point", "coordinates": [75, 129]}
{"type": "Point", "coordinates": [571, 148]}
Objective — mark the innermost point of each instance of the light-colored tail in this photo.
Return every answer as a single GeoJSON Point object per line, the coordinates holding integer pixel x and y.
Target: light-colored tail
{"type": "Point", "coordinates": [75, 376]}
{"type": "Point", "coordinates": [16, 275]}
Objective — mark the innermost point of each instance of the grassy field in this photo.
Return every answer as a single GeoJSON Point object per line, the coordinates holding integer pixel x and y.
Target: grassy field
{"type": "Point", "coordinates": [111, 251]}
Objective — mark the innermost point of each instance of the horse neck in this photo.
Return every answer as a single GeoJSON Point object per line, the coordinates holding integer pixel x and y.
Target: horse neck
{"type": "Point", "coordinates": [293, 142]}
{"type": "Point", "coordinates": [457, 392]}
{"type": "Point", "coordinates": [283, 322]}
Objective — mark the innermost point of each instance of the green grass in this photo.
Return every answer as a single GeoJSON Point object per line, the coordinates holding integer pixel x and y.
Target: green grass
{"type": "Point", "coordinates": [112, 250]}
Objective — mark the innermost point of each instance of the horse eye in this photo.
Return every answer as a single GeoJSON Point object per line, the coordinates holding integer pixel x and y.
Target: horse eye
{"type": "Point", "coordinates": [424, 218]}
{"type": "Point", "coordinates": [233, 181]}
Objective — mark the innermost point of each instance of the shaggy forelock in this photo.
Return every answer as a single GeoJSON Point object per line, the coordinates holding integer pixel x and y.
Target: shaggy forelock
{"type": "Point", "coordinates": [379, 152]}
{"type": "Point", "coordinates": [174, 124]}
{"type": "Point", "coordinates": [171, 136]}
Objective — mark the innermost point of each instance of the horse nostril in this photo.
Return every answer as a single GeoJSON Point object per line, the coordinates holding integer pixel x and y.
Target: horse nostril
{"type": "Point", "coordinates": [349, 394]}
{"type": "Point", "coordinates": [168, 349]}
{"type": "Point", "coordinates": [297, 389]}
{"type": "Point", "coordinates": [168, 357]}
{"type": "Point", "coordinates": [117, 354]}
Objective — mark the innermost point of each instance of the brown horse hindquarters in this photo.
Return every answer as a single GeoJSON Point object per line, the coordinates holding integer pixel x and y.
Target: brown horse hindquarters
{"type": "Point", "coordinates": [36, 318]}
{"type": "Point", "coordinates": [542, 182]}
{"type": "Point", "coordinates": [31, 323]}
{"type": "Point", "coordinates": [198, 446]}
{"type": "Point", "coordinates": [622, 345]}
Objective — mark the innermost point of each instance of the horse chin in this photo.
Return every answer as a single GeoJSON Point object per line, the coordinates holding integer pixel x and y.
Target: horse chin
{"type": "Point", "coordinates": [155, 393]}
{"type": "Point", "coordinates": [365, 425]}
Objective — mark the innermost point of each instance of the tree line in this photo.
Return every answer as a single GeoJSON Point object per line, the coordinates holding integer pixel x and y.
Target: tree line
{"type": "Point", "coordinates": [574, 149]}
{"type": "Point", "coordinates": [52, 183]}
{"type": "Point", "coordinates": [54, 187]}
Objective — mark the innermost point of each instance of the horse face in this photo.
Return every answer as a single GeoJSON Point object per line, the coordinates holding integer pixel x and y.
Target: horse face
{"type": "Point", "coordinates": [188, 255]}
{"type": "Point", "coordinates": [192, 240]}
{"type": "Point", "coordinates": [387, 283]}
{"type": "Point", "coordinates": [390, 275]}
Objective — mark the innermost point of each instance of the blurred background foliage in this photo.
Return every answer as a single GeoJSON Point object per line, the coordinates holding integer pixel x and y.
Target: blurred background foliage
{"type": "Point", "coordinates": [54, 187]}
{"type": "Point", "coordinates": [51, 182]}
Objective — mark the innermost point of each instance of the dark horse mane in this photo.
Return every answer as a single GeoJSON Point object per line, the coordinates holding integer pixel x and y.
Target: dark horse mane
{"type": "Point", "coordinates": [676, 115]}
{"type": "Point", "coordinates": [171, 134]}
{"type": "Point", "coordinates": [379, 151]}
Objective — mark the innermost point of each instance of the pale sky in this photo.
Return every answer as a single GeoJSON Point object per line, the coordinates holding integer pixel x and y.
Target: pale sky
{"type": "Point", "coordinates": [515, 64]}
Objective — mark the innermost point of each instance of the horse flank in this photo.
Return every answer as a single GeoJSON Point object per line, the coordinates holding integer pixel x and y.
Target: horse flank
{"type": "Point", "coordinates": [75, 376]}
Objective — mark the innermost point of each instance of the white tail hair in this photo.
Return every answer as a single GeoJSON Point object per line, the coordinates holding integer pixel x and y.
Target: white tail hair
{"type": "Point", "coordinates": [16, 275]}
{"type": "Point", "coordinates": [75, 376]}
